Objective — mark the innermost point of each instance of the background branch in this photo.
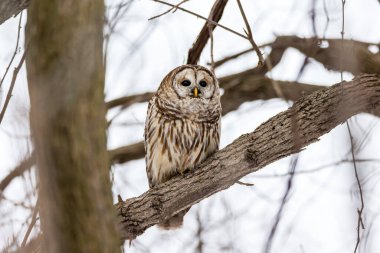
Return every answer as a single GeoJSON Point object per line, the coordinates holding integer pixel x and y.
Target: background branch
{"type": "Point", "coordinates": [18, 171]}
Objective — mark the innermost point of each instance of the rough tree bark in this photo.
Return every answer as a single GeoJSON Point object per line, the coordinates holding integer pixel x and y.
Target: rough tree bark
{"type": "Point", "coordinates": [313, 115]}
{"type": "Point", "coordinates": [66, 84]}
{"type": "Point", "coordinates": [9, 8]}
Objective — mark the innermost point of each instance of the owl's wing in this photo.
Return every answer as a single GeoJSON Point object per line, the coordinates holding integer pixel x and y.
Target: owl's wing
{"type": "Point", "coordinates": [148, 141]}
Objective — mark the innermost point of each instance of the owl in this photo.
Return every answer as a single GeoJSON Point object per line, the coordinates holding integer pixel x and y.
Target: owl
{"type": "Point", "coordinates": [182, 127]}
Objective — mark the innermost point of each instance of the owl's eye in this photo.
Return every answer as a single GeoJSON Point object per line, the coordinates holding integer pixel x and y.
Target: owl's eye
{"type": "Point", "coordinates": [203, 83]}
{"type": "Point", "coordinates": [186, 82]}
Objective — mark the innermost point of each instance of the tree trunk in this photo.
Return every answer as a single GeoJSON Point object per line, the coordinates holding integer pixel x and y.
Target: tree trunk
{"type": "Point", "coordinates": [66, 85]}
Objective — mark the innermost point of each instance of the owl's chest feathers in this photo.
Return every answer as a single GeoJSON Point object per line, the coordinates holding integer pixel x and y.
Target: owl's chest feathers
{"type": "Point", "coordinates": [178, 144]}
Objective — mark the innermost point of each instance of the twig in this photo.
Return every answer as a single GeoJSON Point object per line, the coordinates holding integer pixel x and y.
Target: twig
{"type": "Point", "coordinates": [313, 170]}
{"type": "Point", "coordinates": [208, 20]}
{"type": "Point", "coordinates": [121, 10]}
{"type": "Point", "coordinates": [243, 183]}
{"type": "Point", "coordinates": [312, 16]}
{"type": "Point", "coordinates": [268, 62]}
{"type": "Point", "coordinates": [234, 56]}
{"type": "Point", "coordinates": [342, 37]}
{"type": "Point", "coordinates": [327, 18]}
{"type": "Point", "coordinates": [32, 223]}
{"type": "Point", "coordinates": [211, 48]}
{"type": "Point", "coordinates": [15, 52]}
{"type": "Point", "coordinates": [9, 94]}
{"type": "Point", "coordinates": [250, 36]}
{"type": "Point", "coordinates": [174, 8]}
{"type": "Point", "coordinates": [272, 233]}
{"type": "Point", "coordinates": [360, 223]}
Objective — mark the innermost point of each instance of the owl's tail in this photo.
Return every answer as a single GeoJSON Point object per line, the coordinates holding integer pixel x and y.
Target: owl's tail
{"type": "Point", "coordinates": [174, 222]}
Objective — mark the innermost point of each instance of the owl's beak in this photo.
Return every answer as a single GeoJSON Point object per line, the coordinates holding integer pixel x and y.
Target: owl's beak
{"type": "Point", "coordinates": [195, 92]}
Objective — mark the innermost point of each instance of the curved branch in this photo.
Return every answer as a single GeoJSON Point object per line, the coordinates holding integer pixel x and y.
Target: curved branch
{"type": "Point", "coordinates": [357, 56]}
{"type": "Point", "coordinates": [314, 115]}
{"type": "Point", "coordinates": [25, 165]}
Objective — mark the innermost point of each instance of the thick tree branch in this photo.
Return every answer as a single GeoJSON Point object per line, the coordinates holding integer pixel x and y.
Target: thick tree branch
{"type": "Point", "coordinates": [315, 115]}
{"type": "Point", "coordinates": [357, 57]}
{"type": "Point", "coordinates": [9, 8]}
{"type": "Point", "coordinates": [197, 48]}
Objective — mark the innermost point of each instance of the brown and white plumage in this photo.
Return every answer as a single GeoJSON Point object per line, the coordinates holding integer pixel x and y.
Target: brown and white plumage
{"type": "Point", "coordinates": [183, 125]}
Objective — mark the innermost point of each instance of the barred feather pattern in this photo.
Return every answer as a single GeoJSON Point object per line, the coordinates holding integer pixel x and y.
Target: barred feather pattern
{"type": "Point", "coordinates": [180, 132]}
{"type": "Point", "coordinates": [174, 145]}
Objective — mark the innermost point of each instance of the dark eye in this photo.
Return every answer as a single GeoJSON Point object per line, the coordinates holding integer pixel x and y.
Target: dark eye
{"type": "Point", "coordinates": [186, 83]}
{"type": "Point", "coordinates": [203, 83]}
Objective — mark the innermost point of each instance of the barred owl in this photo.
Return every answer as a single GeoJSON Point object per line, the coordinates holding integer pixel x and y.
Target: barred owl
{"type": "Point", "coordinates": [182, 127]}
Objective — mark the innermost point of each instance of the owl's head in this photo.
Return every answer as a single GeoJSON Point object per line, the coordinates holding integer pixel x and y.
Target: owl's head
{"type": "Point", "coordinates": [190, 90]}
{"type": "Point", "coordinates": [191, 81]}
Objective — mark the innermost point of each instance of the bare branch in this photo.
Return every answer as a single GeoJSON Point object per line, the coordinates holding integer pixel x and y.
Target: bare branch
{"type": "Point", "coordinates": [15, 51]}
{"type": "Point", "coordinates": [201, 17]}
{"type": "Point", "coordinates": [206, 32]}
{"type": "Point", "coordinates": [9, 94]}
{"type": "Point", "coordinates": [31, 225]}
{"type": "Point", "coordinates": [250, 36]}
{"type": "Point", "coordinates": [174, 8]}
{"type": "Point", "coordinates": [234, 56]}
{"type": "Point", "coordinates": [316, 115]}
{"type": "Point", "coordinates": [357, 58]}
{"type": "Point", "coordinates": [129, 100]}
{"type": "Point", "coordinates": [268, 244]}
{"type": "Point", "coordinates": [18, 171]}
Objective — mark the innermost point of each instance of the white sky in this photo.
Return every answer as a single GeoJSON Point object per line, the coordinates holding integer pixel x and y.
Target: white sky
{"type": "Point", "coordinates": [321, 213]}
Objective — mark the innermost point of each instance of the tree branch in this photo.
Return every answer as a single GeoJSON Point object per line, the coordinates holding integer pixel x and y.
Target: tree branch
{"type": "Point", "coordinates": [9, 8]}
{"type": "Point", "coordinates": [129, 100]}
{"type": "Point", "coordinates": [357, 57]}
{"type": "Point", "coordinates": [316, 115]}
{"type": "Point", "coordinates": [18, 171]}
{"type": "Point", "coordinates": [197, 48]}
{"type": "Point", "coordinates": [13, 82]}
{"type": "Point", "coordinates": [127, 153]}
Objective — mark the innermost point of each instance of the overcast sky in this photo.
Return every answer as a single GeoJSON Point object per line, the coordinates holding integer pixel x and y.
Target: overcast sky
{"type": "Point", "coordinates": [320, 215]}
